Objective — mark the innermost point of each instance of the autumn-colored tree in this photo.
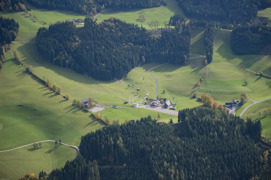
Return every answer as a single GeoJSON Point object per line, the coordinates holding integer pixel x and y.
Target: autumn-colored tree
{"type": "Point", "coordinates": [243, 98]}
{"type": "Point", "coordinates": [198, 84]}
{"type": "Point", "coordinates": [143, 59]}
{"type": "Point", "coordinates": [92, 104]}
{"type": "Point", "coordinates": [2, 58]}
{"type": "Point", "coordinates": [90, 100]}
{"type": "Point", "coordinates": [54, 87]}
{"type": "Point", "coordinates": [21, 6]}
{"type": "Point", "coordinates": [58, 91]}
{"type": "Point", "coordinates": [78, 103]}
{"type": "Point", "coordinates": [67, 96]}
{"type": "Point", "coordinates": [48, 83]}
{"type": "Point", "coordinates": [16, 7]}
{"type": "Point", "coordinates": [142, 17]}
{"type": "Point", "coordinates": [215, 106]}
{"type": "Point", "coordinates": [207, 100]}
{"type": "Point", "coordinates": [3, 51]}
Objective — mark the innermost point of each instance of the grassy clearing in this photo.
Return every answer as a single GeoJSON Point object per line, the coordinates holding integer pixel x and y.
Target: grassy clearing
{"type": "Point", "coordinates": [15, 164]}
{"type": "Point", "coordinates": [197, 41]}
{"type": "Point", "coordinates": [126, 114]}
{"type": "Point", "coordinates": [161, 14]}
{"type": "Point", "coordinates": [265, 13]}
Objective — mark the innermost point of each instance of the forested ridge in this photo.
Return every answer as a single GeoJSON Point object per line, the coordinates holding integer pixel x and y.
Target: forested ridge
{"type": "Point", "coordinates": [112, 48]}
{"type": "Point", "coordinates": [94, 6]}
{"type": "Point", "coordinates": [251, 40]}
{"type": "Point", "coordinates": [205, 144]}
{"type": "Point", "coordinates": [234, 11]}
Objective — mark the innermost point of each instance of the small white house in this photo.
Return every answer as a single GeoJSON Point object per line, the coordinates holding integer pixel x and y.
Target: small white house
{"type": "Point", "coordinates": [135, 105]}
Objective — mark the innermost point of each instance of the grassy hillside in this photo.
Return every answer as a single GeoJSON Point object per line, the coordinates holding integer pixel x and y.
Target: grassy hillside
{"type": "Point", "coordinates": [29, 113]}
{"type": "Point", "coordinates": [16, 164]}
{"type": "Point", "coordinates": [160, 14]}
{"type": "Point", "coordinates": [227, 73]}
{"type": "Point", "coordinates": [35, 113]}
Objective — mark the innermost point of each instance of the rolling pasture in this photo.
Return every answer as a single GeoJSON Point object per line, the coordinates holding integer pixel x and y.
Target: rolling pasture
{"type": "Point", "coordinates": [35, 113]}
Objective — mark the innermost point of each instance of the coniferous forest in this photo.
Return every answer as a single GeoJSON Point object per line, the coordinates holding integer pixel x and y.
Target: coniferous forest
{"type": "Point", "coordinates": [205, 144]}
{"type": "Point", "coordinates": [8, 30]}
{"type": "Point", "coordinates": [251, 40]}
{"type": "Point", "coordinates": [12, 5]}
{"type": "Point", "coordinates": [234, 11]}
{"type": "Point", "coordinates": [112, 48]}
{"type": "Point", "coordinates": [95, 6]}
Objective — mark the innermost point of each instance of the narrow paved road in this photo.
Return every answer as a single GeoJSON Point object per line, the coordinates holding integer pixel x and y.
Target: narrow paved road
{"type": "Point", "coordinates": [156, 79]}
{"type": "Point", "coordinates": [71, 146]}
{"type": "Point", "coordinates": [254, 102]}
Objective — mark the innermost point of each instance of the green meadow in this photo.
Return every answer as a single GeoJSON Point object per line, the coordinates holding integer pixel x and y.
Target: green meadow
{"type": "Point", "coordinates": [160, 14]}
{"type": "Point", "coordinates": [30, 112]}
{"type": "Point", "coordinates": [36, 113]}
{"type": "Point", "coordinates": [17, 163]}
{"type": "Point", "coordinates": [127, 114]}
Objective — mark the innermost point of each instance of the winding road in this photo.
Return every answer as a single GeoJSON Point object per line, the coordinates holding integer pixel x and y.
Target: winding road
{"type": "Point", "coordinates": [254, 102]}
{"type": "Point", "coordinates": [71, 146]}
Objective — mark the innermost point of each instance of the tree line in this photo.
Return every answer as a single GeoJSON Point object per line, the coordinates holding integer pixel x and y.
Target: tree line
{"type": "Point", "coordinates": [205, 144]}
{"type": "Point", "coordinates": [8, 32]}
{"type": "Point", "coordinates": [112, 48]}
{"type": "Point", "coordinates": [95, 6]}
{"type": "Point", "coordinates": [251, 40]}
{"type": "Point", "coordinates": [12, 5]}
{"type": "Point", "coordinates": [209, 39]}
{"type": "Point", "coordinates": [234, 11]}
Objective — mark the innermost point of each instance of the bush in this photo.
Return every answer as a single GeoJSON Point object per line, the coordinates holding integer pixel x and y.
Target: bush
{"type": "Point", "coordinates": [54, 87]}
{"type": "Point", "coordinates": [58, 91]}
{"type": "Point", "coordinates": [67, 96]}
{"type": "Point", "coordinates": [48, 83]}
{"type": "Point", "coordinates": [243, 98]}
{"type": "Point", "coordinates": [28, 69]}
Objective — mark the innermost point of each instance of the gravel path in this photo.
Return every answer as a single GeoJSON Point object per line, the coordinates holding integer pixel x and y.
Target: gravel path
{"type": "Point", "coordinates": [254, 102]}
{"type": "Point", "coordinates": [156, 79]}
